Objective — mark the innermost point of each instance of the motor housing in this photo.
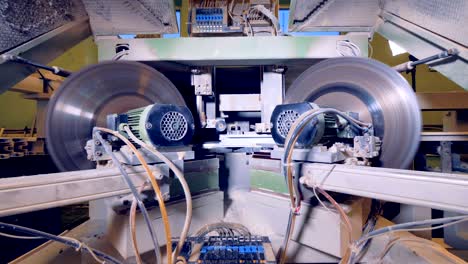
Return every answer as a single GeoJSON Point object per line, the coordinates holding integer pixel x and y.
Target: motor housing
{"type": "Point", "coordinates": [324, 128]}
{"type": "Point", "coordinates": [161, 125]}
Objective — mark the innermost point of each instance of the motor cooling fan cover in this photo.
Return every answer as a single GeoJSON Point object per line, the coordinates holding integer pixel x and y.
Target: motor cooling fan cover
{"type": "Point", "coordinates": [88, 96]}
{"type": "Point", "coordinates": [374, 90]}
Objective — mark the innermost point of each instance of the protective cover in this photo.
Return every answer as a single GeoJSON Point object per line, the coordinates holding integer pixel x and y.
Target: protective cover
{"type": "Point", "coordinates": [21, 21]}
{"type": "Point", "coordinates": [446, 18]}
{"type": "Point", "coordinates": [333, 15]}
{"type": "Point", "coordinates": [115, 17]}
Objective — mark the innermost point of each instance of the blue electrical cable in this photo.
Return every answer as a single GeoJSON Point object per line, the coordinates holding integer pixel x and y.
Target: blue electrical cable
{"type": "Point", "coordinates": [429, 222]}
{"type": "Point", "coordinates": [66, 241]}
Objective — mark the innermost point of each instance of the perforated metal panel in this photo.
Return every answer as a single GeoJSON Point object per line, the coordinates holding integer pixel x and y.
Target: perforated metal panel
{"type": "Point", "coordinates": [21, 21]}
{"type": "Point", "coordinates": [173, 126]}
{"type": "Point", "coordinates": [446, 18]}
{"type": "Point", "coordinates": [333, 15]}
{"type": "Point", "coordinates": [114, 17]}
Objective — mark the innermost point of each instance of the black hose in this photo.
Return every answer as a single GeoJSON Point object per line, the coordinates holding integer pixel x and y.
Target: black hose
{"type": "Point", "coordinates": [54, 69]}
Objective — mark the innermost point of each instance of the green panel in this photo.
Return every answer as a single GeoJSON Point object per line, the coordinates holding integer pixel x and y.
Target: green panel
{"type": "Point", "coordinates": [197, 181]}
{"type": "Point", "coordinates": [231, 50]}
{"type": "Point", "coordinates": [268, 180]}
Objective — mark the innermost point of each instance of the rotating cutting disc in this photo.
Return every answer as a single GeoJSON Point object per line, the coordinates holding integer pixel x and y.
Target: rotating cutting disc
{"type": "Point", "coordinates": [88, 96]}
{"type": "Point", "coordinates": [377, 92]}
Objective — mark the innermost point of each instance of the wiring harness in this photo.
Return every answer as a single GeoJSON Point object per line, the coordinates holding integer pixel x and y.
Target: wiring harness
{"type": "Point", "coordinates": [355, 248]}
{"type": "Point", "coordinates": [293, 182]}
{"type": "Point", "coordinates": [78, 245]}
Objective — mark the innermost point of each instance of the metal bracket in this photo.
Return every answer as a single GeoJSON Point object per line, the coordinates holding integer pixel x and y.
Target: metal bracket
{"type": "Point", "coordinates": [271, 94]}
{"type": "Point", "coordinates": [367, 146]}
{"type": "Point", "coordinates": [95, 152]}
{"type": "Point", "coordinates": [202, 82]}
{"type": "Point", "coordinates": [315, 154]}
{"type": "Point", "coordinates": [445, 152]}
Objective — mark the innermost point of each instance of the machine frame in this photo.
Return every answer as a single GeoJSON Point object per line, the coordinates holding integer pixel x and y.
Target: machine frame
{"type": "Point", "coordinates": [445, 191]}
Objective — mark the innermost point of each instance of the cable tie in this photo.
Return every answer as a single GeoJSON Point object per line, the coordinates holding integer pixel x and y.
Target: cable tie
{"type": "Point", "coordinates": [80, 244]}
{"type": "Point", "coordinates": [353, 247]}
{"type": "Point", "coordinates": [296, 210]}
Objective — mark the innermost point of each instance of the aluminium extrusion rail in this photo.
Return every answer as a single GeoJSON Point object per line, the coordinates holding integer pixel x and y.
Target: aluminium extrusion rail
{"type": "Point", "coordinates": [32, 193]}
{"type": "Point", "coordinates": [443, 191]}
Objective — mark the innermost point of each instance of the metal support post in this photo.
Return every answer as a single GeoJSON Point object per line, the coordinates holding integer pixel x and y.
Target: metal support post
{"type": "Point", "coordinates": [271, 95]}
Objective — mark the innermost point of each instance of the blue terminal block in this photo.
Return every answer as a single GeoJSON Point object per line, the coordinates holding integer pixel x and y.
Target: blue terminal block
{"type": "Point", "coordinates": [230, 250]}
{"type": "Point", "coordinates": [210, 20]}
{"type": "Point", "coordinates": [207, 15]}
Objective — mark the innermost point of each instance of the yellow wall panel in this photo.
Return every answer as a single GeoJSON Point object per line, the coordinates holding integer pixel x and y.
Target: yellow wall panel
{"type": "Point", "coordinates": [18, 112]}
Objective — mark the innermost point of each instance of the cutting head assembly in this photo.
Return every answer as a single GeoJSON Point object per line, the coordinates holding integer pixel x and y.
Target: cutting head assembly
{"type": "Point", "coordinates": [368, 89]}
{"type": "Point", "coordinates": [376, 92]}
{"type": "Point", "coordinates": [88, 96]}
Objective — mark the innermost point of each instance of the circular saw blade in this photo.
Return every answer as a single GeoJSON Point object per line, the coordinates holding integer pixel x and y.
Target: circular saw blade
{"type": "Point", "coordinates": [88, 96]}
{"type": "Point", "coordinates": [376, 92]}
